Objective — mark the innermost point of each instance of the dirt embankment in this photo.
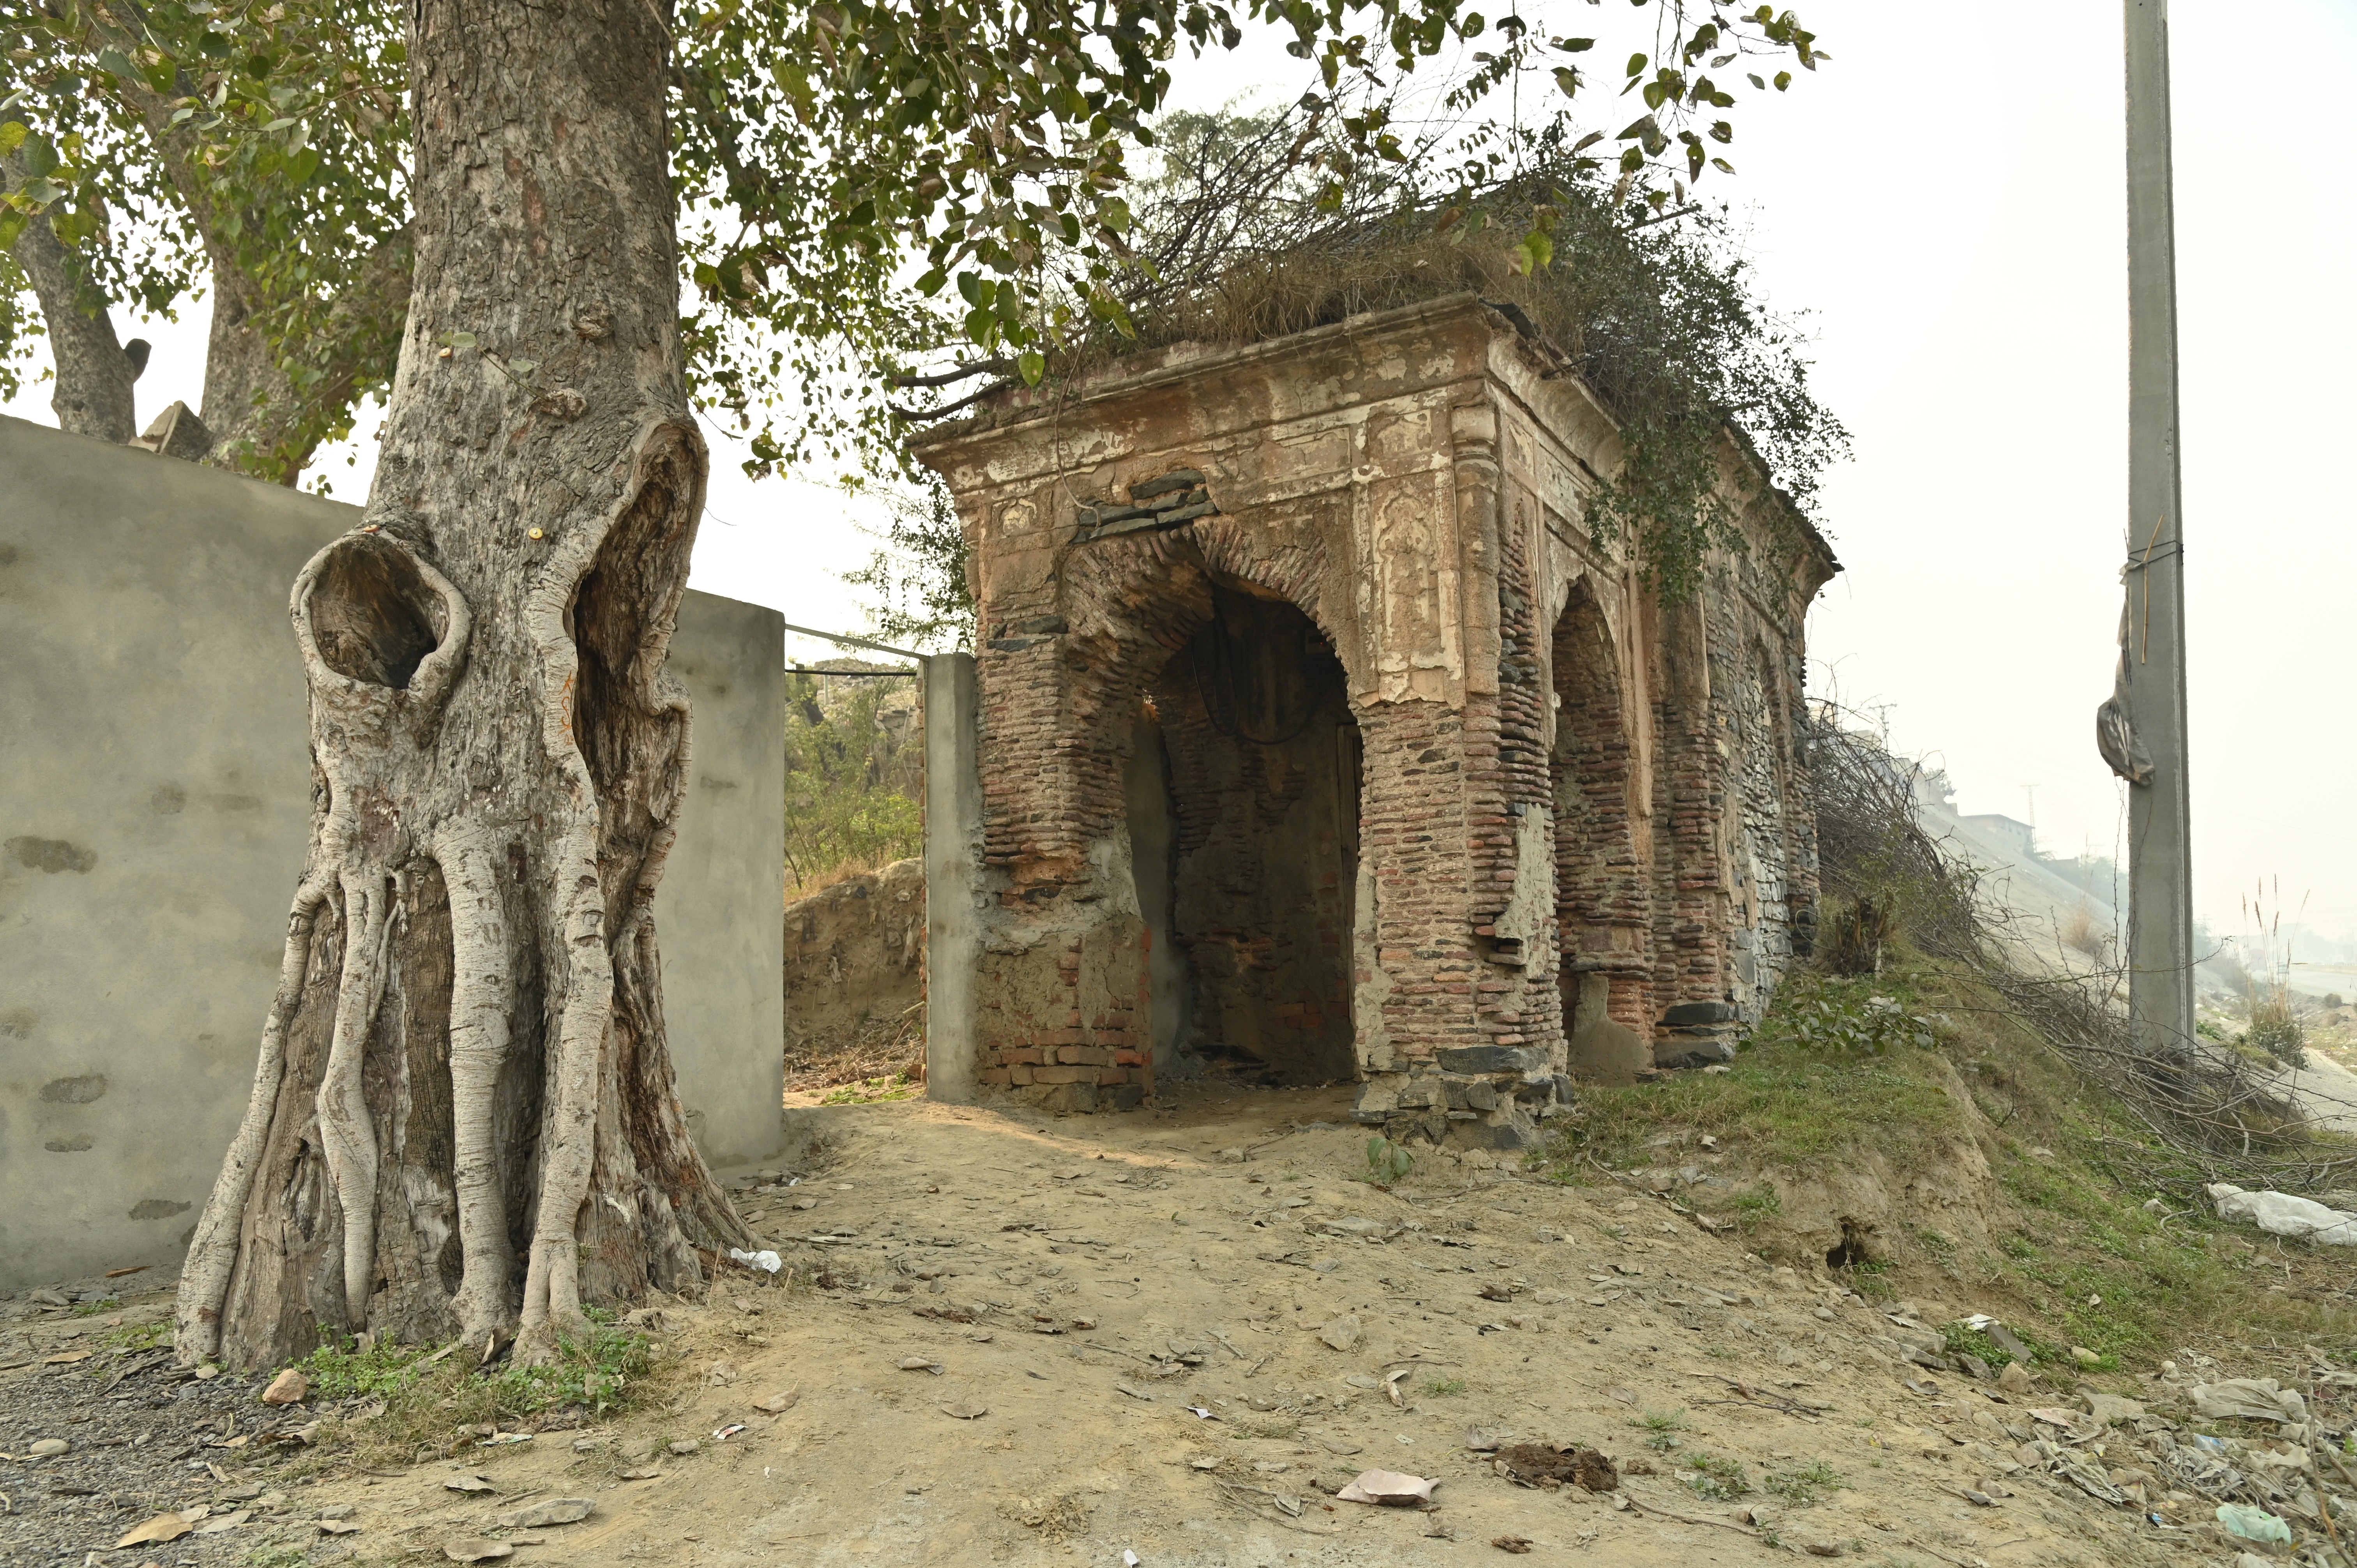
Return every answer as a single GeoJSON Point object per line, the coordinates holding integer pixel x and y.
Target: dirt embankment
{"type": "Point", "coordinates": [855, 978]}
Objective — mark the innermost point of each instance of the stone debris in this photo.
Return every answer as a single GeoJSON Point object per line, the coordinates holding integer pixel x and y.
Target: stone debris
{"type": "Point", "coordinates": [290, 1387]}
{"type": "Point", "coordinates": [553, 1510]}
{"type": "Point", "coordinates": [1342, 1333]}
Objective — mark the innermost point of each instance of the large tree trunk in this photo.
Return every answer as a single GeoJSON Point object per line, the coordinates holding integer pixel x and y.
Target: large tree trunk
{"type": "Point", "coordinates": [464, 1068]}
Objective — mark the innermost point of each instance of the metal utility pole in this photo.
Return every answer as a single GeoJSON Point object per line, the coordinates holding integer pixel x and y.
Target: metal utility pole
{"type": "Point", "coordinates": [2152, 655]}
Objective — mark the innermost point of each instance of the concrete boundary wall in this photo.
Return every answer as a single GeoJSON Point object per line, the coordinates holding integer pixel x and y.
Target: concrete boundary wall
{"type": "Point", "coordinates": [155, 796]}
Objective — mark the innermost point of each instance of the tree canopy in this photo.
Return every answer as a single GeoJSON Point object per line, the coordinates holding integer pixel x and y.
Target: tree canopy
{"type": "Point", "coordinates": [875, 197]}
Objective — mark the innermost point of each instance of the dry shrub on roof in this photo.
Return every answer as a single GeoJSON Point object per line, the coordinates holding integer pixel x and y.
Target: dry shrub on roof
{"type": "Point", "coordinates": [1246, 235]}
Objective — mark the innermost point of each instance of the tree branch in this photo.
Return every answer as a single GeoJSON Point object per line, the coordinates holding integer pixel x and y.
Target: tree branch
{"type": "Point", "coordinates": [990, 367]}
{"type": "Point", "coordinates": [916, 414]}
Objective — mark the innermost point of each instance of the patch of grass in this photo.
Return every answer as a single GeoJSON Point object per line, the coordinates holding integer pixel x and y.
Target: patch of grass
{"type": "Point", "coordinates": [279, 1556]}
{"type": "Point", "coordinates": [1789, 1100]}
{"type": "Point", "coordinates": [1439, 1387]}
{"type": "Point", "coordinates": [1720, 1480]}
{"type": "Point", "coordinates": [1870, 1279]}
{"type": "Point", "coordinates": [1754, 1205]}
{"type": "Point", "coordinates": [427, 1400]}
{"type": "Point", "coordinates": [875, 1091]}
{"type": "Point", "coordinates": [1662, 1428]}
{"type": "Point", "coordinates": [130, 1337]}
{"type": "Point", "coordinates": [95, 1308]}
{"type": "Point", "coordinates": [1802, 1484]}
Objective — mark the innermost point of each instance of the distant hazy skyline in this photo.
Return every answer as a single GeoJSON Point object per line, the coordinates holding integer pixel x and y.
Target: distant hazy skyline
{"type": "Point", "coordinates": [1944, 204]}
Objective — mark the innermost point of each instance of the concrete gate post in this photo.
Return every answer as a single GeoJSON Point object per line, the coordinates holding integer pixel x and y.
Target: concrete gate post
{"type": "Point", "coordinates": [954, 899]}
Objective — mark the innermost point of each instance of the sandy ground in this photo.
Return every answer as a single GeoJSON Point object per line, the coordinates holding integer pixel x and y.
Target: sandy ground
{"type": "Point", "coordinates": [1135, 1322]}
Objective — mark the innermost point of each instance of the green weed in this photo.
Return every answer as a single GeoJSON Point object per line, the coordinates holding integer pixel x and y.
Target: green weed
{"type": "Point", "coordinates": [1439, 1387]}
{"type": "Point", "coordinates": [1662, 1428]}
{"type": "Point", "coordinates": [875, 1091]}
{"type": "Point", "coordinates": [1387, 1163]}
{"type": "Point", "coordinates": [1720, 1480]}
{"type": "Point", "coordinates": [426, 1398]}
{"type": "Point", "coordinates": [1804, 1485]}
{"type": "Point", "coordinates": [130, 1337]}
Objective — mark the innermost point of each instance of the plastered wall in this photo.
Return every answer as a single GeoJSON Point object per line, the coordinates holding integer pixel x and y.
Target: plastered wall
{"type": "Point", "coordinates": [155, 793]}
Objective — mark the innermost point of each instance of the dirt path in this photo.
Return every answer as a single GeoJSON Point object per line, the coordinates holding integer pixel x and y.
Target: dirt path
{"type": "Point", "coordinates": [1147, 1312]}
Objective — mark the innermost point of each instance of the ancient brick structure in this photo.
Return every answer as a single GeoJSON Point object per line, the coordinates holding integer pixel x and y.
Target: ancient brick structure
{"type": "Point", "coordinates": [1316, 729]}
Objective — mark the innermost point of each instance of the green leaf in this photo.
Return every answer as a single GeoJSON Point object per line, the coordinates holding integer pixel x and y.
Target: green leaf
{"type": "Point", "coordinates": [1636, 64]}
{"type": "Point", "coordinates": [1034, 366]}
{"type": "Point", "coordinates": [1783, 80]}
{"type": "Point", "coordinates": [1575, 46]}
{"type": "Point", "coordinates": [12, 136]}
{"type": "Point", "coordinates": [114, 62]}
{"type": "Point", "coordinates": [1568, 79]}
{"type": "Point", "coordinates": [38, 155]}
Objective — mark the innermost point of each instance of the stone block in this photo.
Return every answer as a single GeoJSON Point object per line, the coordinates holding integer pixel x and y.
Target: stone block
{"type": "Point", "coordinates": [1693, 1050]}
{"type": "Point", "coordinates": [1493, 1058]}
{"type": "Point", "coordinates": [1063, 1074]}
{"type": "Point", "coordinates": [1693, 1015]}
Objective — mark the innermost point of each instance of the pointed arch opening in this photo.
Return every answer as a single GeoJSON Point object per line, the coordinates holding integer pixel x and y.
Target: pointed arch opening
{"type": "Point", "coordinates": [1245, 835]}
{"type": "Point", "coordinates": [1602, 906]}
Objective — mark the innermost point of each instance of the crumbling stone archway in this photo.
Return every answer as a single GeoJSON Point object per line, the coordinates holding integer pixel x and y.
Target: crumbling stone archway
{"type": "Point", "coordinates": [1183, 835]}
{"type": "Point", "coordinates": [1537, 795]}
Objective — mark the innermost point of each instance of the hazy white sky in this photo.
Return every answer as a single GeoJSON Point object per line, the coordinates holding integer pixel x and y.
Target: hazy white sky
{"type": "Point", "coordinates": [1943, 200]}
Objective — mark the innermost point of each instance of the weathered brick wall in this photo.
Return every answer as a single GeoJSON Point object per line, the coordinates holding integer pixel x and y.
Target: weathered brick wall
{"type": "Point", "coordinates": [1556, 776]}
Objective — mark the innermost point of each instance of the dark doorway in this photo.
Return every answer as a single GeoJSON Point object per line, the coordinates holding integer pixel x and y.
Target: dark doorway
{"type": "Point", "coordinates": [1260, 759]}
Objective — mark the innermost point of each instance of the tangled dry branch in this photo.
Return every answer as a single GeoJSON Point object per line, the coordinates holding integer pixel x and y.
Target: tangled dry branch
{"type": "Point", "coordinates": [2211, 1113]}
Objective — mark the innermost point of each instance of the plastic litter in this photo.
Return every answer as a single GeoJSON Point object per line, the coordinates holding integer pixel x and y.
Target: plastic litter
{"type": "Point", "coordinates": [2249, 1399]}
{"type": "Point", "coordinates": [2253, 1524]}
{"type": "Point", "coordinates": [1128, 1558]}
{"type": "Point", "coordinates": [769, 1262]}
{"type": "Point", "coordinates": [726, 1433]}
{"type": "Point", "coordinates": [2281, 1214]}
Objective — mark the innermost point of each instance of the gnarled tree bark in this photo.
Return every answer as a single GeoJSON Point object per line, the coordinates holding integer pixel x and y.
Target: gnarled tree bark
{"type": "Point", "coordinates": [464, 1068]}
